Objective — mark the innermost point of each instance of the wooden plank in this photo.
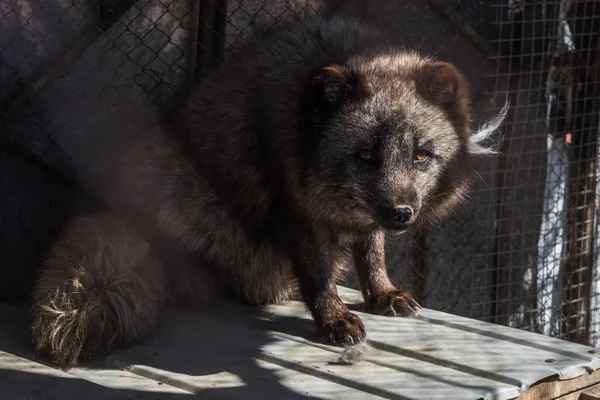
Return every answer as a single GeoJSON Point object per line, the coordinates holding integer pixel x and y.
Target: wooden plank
{"type": "Point", "coordinates": [592, 393]}
{"type": "Point", "coordinates": [569, 389]}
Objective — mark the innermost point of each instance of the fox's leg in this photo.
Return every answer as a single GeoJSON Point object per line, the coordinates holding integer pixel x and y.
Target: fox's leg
{"type": "Point", "coordinates": [379, 293]}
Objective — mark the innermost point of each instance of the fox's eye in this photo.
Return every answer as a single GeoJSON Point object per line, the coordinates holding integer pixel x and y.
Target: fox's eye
{"type": "Point", "coordinates": [421, 156]}
{"type": "Point", "coordinates": [366, 155]}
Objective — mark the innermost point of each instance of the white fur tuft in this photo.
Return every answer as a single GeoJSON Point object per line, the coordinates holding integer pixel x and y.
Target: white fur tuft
{"type": "Point", "coordinates": [477, 140]}
{"type": "Point", "coordinates": [354, 354]}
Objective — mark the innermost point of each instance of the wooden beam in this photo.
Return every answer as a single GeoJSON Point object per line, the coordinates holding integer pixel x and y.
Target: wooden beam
{"type": "Point", "coordinates": [592, 393]}
{"type": "Point", "coordinates": [569, 389]}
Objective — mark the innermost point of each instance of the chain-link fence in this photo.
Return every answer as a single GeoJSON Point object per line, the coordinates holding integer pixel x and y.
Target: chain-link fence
{"type": "Point", "coordinates": [522, 253]}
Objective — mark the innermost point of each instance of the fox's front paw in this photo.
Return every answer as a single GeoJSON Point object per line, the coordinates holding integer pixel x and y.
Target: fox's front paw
{"type": "Point", "coordinates": [346, 330]}
{"type": "Point", "coordinates": [395, 303]}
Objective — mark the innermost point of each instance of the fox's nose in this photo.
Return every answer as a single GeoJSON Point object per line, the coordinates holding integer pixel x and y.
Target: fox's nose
{"type": "Point", "coordinates": [403, 214]}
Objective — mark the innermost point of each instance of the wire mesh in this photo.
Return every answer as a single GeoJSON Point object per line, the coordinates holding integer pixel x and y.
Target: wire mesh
{"type": "Point", "coordinates": [547, 53]}
{"type": "Point", "coordinates": [523, 252]}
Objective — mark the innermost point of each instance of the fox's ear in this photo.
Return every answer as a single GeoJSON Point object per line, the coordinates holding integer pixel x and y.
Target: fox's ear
{"type": "Point", "coordinates": [332, 85]}
{"type": "Point", "coordinates": [442, 84]}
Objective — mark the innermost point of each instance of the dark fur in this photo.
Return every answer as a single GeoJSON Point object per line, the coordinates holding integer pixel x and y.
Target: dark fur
{"type": "Point", "coordinates": [265, 186]}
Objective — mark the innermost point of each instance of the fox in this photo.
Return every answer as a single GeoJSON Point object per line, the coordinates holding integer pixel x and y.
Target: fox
{"type": "Point", "coordinates": [287, 166]}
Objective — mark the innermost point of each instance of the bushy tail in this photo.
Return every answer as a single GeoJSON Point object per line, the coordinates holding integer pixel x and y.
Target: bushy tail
{"type": "Point", "coordinates": [100, 287]}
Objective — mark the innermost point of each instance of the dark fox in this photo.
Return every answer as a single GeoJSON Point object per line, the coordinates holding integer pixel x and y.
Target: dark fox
{"type": "Point", "coordinates": [286, 166]}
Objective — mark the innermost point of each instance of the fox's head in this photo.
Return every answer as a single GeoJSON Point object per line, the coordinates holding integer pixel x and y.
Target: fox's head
{"type": "Point", "coordinates": [392, 140]}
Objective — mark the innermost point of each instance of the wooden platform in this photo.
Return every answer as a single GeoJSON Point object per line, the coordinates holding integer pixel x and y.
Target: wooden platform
{"type": "Point", "coordinates": [240, 352]}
